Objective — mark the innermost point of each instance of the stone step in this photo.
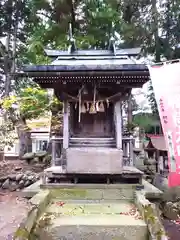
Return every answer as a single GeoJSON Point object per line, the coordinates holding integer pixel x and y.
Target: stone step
{"type": "Point", "coordinates": [109, 192]}
{"type": "Point", "coordinates": [92, 140]}
{"type": "Point", "coordinates": [79, 144]}
{"type": "Point", "coordinates": [95, 221]}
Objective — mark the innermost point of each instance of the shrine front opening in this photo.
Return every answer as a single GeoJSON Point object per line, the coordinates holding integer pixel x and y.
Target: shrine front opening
{"type": "Point", "coordinates": [97, 124]}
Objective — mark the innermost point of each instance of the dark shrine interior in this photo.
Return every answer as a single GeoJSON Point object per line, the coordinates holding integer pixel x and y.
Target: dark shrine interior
{"type": "Point", "coordinates": [100, 124]}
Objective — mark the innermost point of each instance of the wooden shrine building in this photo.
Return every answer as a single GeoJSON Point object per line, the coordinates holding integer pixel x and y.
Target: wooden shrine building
{"type": "Point", "coordinates": [92, 85]}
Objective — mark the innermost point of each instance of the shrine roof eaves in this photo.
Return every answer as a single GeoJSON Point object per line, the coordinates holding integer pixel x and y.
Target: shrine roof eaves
{"type": "Point", "coordinates": [84, 67]}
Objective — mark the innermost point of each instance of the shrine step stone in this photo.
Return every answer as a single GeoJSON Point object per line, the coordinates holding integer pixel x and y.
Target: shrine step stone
{"type": "Point", "coordinates": [95, 221]}
{"type": "Point", "coordinates": [92, 192]}
{"type": "Point", "coordinates": [92, 142]}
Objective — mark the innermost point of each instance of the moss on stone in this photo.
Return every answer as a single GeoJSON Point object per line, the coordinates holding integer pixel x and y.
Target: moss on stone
{"type": "Point", "coordinates": [149, 214]}
{"type": "Point", "coordinates": [21, 233]}
{"type": "Point", "coordinates": [154, 222]}
{"type": "Point", "coordinates": [68, 193]}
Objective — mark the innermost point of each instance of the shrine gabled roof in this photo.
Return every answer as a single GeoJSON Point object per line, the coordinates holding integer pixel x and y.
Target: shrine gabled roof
{"type": "Point", "coordinates": [88, 63]}
{"type": "Point", "coordinates": [157, 141]}
{"type": "Point", "coordinates": [97, 53]}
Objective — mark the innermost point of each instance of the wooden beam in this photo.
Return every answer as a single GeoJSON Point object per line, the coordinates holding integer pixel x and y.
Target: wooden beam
{"type": "Point", "coordinates": [118, 124]}
{"type": "Point", "coordinates": [65, 126]}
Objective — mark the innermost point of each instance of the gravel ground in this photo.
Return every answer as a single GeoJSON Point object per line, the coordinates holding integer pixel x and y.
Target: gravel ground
{"type": "Point", "coordinates": [8, 167]}
{"type": "Point", "coordinates": [12, 208]}
{"type": "Point", "coordinates": [12, 212]}
{"type": "Point", "coordinates": [172, 229]}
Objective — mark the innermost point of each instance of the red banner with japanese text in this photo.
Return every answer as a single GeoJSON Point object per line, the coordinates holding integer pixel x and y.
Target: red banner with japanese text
{"type": "Point", "coordinates": [166, 84]}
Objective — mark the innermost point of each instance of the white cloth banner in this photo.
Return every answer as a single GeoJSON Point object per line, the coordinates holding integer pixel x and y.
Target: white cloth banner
{"type": "Point", "coordinates": [166, 84]}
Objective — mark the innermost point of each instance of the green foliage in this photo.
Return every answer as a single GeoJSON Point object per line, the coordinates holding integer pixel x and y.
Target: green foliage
{"type": "Point", "coordinates": [98, 18]}
{"type": "Point", "coordinates": [56, 106]}
{"type": "Point", "coordinates": [146, 121]}
{"type": "Point", "coordinates": [31, 103]}
{"type": "Point", "coordinates": [130, 126]}
{"type": "Point", "coordinates": [91, 20]}
{"type": "Point", "coordinates": [44, 23]}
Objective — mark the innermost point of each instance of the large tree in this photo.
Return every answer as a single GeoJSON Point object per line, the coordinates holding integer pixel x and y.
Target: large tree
{"type": "Point", "coordinates": [17, 20]}
{"type": "Point", "coordinates": [91, 24]}
{"type": "Point", "coordinates": [167, 33]}
{"type": "Point", "coordinates": [152, 100]}
{"type": "Point", "coordinates": [28, 104]}
{"type": "Point", "coordinates": [14, 16]}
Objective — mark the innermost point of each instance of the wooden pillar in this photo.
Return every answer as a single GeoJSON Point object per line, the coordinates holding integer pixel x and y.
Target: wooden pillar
{"type": "Point", "coordinates": [157, 161]}
{"type": "Point", "coordinates": [125, 148]}
{"type": "Point", "coordinates": [65, 126]}
{"type": "Point", "coordinates": [131, 154]}
{"type": "Point", "coordinates": [118, 124]}
{"type": "Point", "coordinates": [53, 152]}
{"type": "Point", "coordinates": [71, 120]}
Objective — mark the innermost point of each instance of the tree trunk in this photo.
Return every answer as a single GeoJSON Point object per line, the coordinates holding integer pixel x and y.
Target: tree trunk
{"type": "Point", "coordinates": [6, 68]}
{"type": "Point", "coordinates": [10, 57]}
{"type": "Point", "coordinates": [73, 17]}
{"type": "Point", "coordinates": [7, 60]}
{"type": "Point", "coordinates": [169, 52]}
{"type": "Point", "coordinates": [155, 26]}
{"type": "Point", "coordinates": [24, 135]}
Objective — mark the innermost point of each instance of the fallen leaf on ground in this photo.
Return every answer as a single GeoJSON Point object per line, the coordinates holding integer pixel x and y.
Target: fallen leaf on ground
{"type": "Point", "coordinates": [61, 204]}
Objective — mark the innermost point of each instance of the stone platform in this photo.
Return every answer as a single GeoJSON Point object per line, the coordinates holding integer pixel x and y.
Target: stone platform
{"type": "Point", "coordinates": [151, 192]}
{"type": "Point", "coordinates": [126, 175]}
{"type": "Point", "coordinates": [94, 160]}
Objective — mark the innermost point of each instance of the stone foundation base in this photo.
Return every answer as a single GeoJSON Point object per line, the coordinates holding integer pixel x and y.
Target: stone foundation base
{"type": "Point", "coordinates": [94, 160]}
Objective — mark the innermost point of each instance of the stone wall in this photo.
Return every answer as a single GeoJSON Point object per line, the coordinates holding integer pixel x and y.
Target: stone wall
{"type": "Point", "coordinates": [151, 215]}
{"type": "Point", "coordinates": [38, 204]}
{"type": "Point", "coordinates": [17, 181]}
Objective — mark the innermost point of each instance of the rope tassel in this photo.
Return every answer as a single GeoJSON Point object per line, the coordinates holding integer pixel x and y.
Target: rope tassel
{"type": "Point", "coordinates": [93, 106]}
